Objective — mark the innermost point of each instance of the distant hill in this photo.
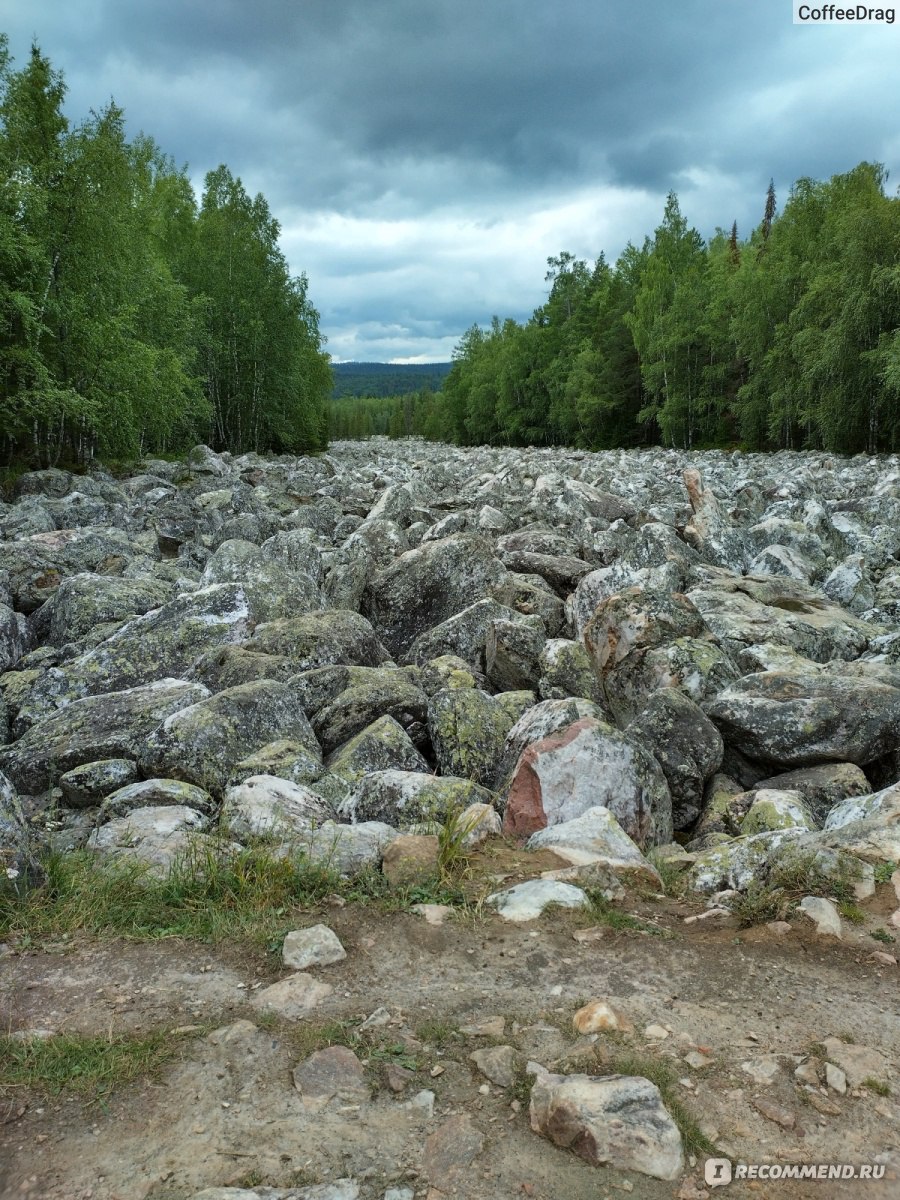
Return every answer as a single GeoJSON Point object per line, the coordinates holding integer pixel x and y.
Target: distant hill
{"type": "Point", "coordinates": [386, 379]}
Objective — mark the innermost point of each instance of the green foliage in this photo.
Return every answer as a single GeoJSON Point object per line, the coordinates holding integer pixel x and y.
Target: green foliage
{"type": "Point", "coordinates": [209, 894]}
{"type": "Point", "coordinates": [120, 304]}
{"type": "Point", "coordinates": [790, 338]}
{"type": "Point", "coordinates": [88, 1065]}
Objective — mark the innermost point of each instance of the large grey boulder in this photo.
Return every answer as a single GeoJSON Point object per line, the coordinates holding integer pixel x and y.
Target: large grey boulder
{"type": "Point", "coordinates": [404, 798]}
{"type": "Point", "coordinates": [37, 564]}
{"type": "Point", "coordinates": [372, 693]}
{"type": "Point", "coordinates": [427, 585]}
{"type": "Point", "coordinates": [468, 730]}
{"type": "Point", "coordinates": [686, 745]}
{"type": "Point", "coordinates": [201, 744]}
{"type": "Point", "coordinates": [383, 745]}
{"type": "Point", "coordinates": [84, 601]}
{"type": "Point", "coordinates": [537, 722]}
{"type": "Point", "coordinates": [116, 725]}
{"type": "Point", "coordinates": [266, 806]}
{"type": "Point", "coordinates": [320, 639]}
{"type": "Point", "coordinates": [19, 868]}
{"type": "Point", "coordinates": [162, 643]}
{"type": "Point", "coordinates": [803, 718]}
{"type": "Point", "coordinates": [743, 611]}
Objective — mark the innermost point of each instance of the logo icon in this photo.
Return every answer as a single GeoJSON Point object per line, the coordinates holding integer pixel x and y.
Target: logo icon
{"type": "Point", "coordinates": [717, 1171]}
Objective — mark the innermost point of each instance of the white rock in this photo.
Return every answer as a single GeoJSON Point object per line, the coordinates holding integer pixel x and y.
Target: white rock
{"type": "Point", "coordinates": [526, 901]}
{"type": "Point", "coordinates": [293, 997]}
{"type": "Point", "coordinates": [594, 837]}
{"type": "Point", "coordinates": [317, 946]}
{"type": "Point", "coordinates": [835, 1078]}
{"type": "Point", "coordinates": [824, 914]}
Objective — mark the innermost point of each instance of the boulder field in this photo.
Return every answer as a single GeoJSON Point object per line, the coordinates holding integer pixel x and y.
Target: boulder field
{"type": "Point", "coordinates": [705, 647]}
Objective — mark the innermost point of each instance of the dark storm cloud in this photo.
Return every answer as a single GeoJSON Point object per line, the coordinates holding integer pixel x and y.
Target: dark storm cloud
{"type": "Point", "coordinates": [437, 151]}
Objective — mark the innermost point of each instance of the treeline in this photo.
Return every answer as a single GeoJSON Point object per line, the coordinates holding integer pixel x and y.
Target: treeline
{"type": "Point", "coordinates": [788, 338]}
{"type": "Point", "coordinates": [132, 319]}
{"type": "Point", "coordinates": [386, 379]}
{"type": "Point", "coordinates": [415, 414]}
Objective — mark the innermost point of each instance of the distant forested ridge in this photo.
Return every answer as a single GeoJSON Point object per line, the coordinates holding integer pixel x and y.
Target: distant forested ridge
{"type": "Point", "coordinates": [387, 379]}
{"type": "Point", "coordinates": [787, 338]}
{"type": "Point", "coordinates": [133, 320]}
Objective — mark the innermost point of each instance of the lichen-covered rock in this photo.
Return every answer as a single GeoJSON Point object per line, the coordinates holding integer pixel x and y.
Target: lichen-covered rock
{"type": "Point", "coordinates": [772, 810]}
{"type": "Point", "coordinates": [82, 602]}
{"type": "Point", "coordinates": [468, 729]}
{"type": "Point", "coordinates": [686, 745]}
{"type": "Point", "coordinates": [372, 693]}
{"type": "Point", "coordinates": [346, 849]}
{"type": "Point", "coordinates": [585, 765]}
{"type": "Point", "coordinates": [526, 901]}
{"type": "Point", "coordinates": [19, 868]}
{"type": "Point", "coordinates": [822, 787]}
{"type": "Point", "coordinates": [202, 743]}
{"type": "Point", "coordinates": [798, 719]}
{"type": "Point", "coordinates": [320, 639]}
{"type": "Point", "coordinates": [37, 564]}
{"type": "Point", "coordinates": [162, 643]}
{"type": "Point", "coordinates": [512, 653]}
{"type": "Point", "coordinates": [405, 798]}
{"type": "Point", "coordinates": [229, 666]}
{"type": "Point", "coordinates": [743, 611]}
{"type": "Point", "coordinates": [86, 786]}
{"type": "Point", "coordinates": [283, 757]}
{"type": "Point", "coordinates": [445, 671]}
{"type": "Point", "coordinates": [155, 793]}
{"type": "Point", "coordinates": [383, 745]}
{"type": "Point", "coordinates": [736, 863]}
{"type": "Point", "coordinates": [116, 725]}
{"type": "Point", "coordinates": [618, 1121]}
{"type": "Point", "coordinates": [427, 585]}
{"type": "Point", "coordinates": [463, 635]}
{"type": "Point", "coordinates": [566, 670]}
{"type": "Point", "coordinates": [275, 588]}
{"type": "Point", "coordinates": [13, 637]}
{"type": "Point", "coordinates": [156, 838]}
{"type": "Point", "coordinates": [634, 620]}
{"type": "Point", "coordinates": [537, 722]}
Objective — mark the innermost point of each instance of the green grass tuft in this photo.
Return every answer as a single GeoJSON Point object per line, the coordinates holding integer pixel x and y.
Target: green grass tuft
{"type": "Point", "coordinates": [87, 1065]}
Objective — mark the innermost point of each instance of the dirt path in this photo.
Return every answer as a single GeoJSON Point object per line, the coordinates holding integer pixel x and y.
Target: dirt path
{"type": "Point", "coordinates": [227, 1111]}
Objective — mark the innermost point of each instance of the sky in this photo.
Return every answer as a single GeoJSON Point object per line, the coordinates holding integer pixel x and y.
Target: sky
{"type": "Point", "coordinates": [425, 157]}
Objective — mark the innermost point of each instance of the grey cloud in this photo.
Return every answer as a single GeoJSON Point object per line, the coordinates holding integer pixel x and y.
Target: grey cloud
{"type": "Point", "coordinates": [499, 112]}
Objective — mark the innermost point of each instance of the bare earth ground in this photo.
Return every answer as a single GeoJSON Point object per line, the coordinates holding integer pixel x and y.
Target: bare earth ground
{"type": "Point", "coordinates": [226, 1110]}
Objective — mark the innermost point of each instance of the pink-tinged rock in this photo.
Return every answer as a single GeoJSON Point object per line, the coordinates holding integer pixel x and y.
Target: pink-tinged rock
{"type": "Point", "coordinates": [589, 763]}
{"type": "Point", "coordinates": [615, 1120]}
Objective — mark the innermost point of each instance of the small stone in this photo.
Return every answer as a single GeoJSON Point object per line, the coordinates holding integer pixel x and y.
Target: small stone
{"type": "Point", "coordinates": [293, 997]}
{"type": "Point", "coordinates": [410, 858]}
{"type": "Point", "coordinates": [333, 1073]}
{"type": "Point", "coordinates": [776, 1112]}
{"type": "Point", "coordinates": [809, 1072]}
{"type": "Point", "coordinates": [597, 934]}
{"type": "Point", "coordinates": [894, 919]}
{"type": "Point", "coordinates": [526, 901]}
{"type": "Point", "coordinates": [488, 1027]}
{"type": "Point", "coordinates": [451, 1149]}
{"type": "Point", "coordinates": [398, 1078]}
{"type": "Point", "coordinates": [820, 1104]}
{"type": "Point", "coordinates": [762, 1070]}
{"type": "Point", "coordinates": [881, 956]}
{"type": "Point", "coordinates": [779, 928]}
{"type": "Point", "coordinates": [317, 946]}
{"type": "Point", "coordinates": [656, 1033]}
{"type": "Point", "coordinates": [599, 1016]}
{"type": "Point", "coordinates": [823, 914]}
{"type": "Point", "coordinates": [698, 1061]}
{"type": "Point", "coordinates": [434, 914]}
{"type": "Point", "coordinates": [437, 1070]}
{"type": "Point", "coordinates": [497, 1063]}
{"type": "Point", "coordinates": [835, 1078]}
{"type": "Point", "coordinates": [858, 1063]}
